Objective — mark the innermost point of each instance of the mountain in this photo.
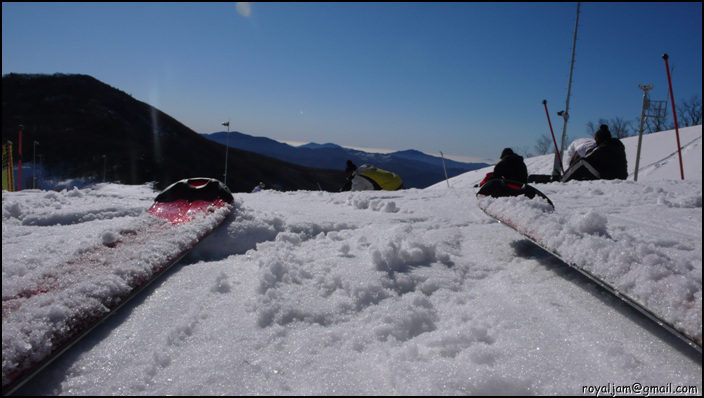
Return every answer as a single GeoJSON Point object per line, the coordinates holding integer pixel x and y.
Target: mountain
{"type": "Point", "coordinates": [417, 169]}
{"type": "Point", "coordinates": [313, 145]}
{"type": "Point", "coordinates": [82, 125]}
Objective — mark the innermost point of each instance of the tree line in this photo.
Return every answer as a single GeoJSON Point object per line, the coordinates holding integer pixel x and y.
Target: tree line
{"type": "Point", "coordinates": [689, 113]}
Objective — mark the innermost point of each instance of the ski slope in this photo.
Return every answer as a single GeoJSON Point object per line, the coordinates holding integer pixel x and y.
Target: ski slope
{"type": "Point", "coordinates": [404, 293]}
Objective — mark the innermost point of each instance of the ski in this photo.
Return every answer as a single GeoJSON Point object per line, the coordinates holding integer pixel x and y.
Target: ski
{"type": "Point", "coordinates": [70, 300]}
{"type": "Point", "coordinates": [506, 188]}
{"type": "Point", "coordinates": [530, 213]}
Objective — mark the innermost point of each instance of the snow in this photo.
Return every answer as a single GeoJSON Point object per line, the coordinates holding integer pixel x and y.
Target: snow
{"type": "Point", "coordinates": [661, 272]}
{"type": "Point", "coordinates": [386, 293]}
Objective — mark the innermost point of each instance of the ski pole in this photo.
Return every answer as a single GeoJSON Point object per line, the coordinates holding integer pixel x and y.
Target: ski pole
{"type": "Point", "coordinates": [444, 168]}
{"type": "Point", "coordinates": [674, 113]}
{"type": "Point", "coordinates": [557, 151]}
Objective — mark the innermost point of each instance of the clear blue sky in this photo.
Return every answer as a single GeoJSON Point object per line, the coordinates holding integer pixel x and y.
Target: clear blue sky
{"type": "Point", "coordinates": [467, 79]}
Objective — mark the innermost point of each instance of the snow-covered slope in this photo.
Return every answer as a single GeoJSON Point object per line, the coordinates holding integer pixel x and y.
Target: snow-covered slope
{"type": "Point", "coordinates": [659, 159]}
{"type": "Point", "coordinates": [404, 293]}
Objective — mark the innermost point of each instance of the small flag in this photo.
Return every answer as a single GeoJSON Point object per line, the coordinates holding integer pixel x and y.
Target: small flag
{"type": "Point", "coordinates": [226, 124]}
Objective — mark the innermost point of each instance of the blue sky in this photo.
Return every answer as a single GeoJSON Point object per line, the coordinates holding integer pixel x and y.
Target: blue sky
{"type": "Point", "coordinates": [467, 79]}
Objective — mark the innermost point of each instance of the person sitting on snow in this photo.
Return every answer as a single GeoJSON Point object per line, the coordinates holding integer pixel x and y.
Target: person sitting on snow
{"type": "Point", "coordinates": [577, 150]}
{"type": "Point", "coordinates": [510, 167]}
{"type": "Point", "coordinates": [606, 161]}
{"type": "Point", "coordinates": [486, 179]}
{"type": "Point", "coordinates": [368, 178]}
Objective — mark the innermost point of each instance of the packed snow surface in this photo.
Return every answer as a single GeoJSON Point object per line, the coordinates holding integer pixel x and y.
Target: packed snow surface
{"type": "Point", "coordinates": [398, 293]}
{"type": "Point", "coordinates": [660, 274]}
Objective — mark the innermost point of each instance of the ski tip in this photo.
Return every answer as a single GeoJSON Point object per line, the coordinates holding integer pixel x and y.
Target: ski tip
{"type": "Point", "coordinates": [507, 188]}
{"type": "Point", "coordinates": [192, 189]}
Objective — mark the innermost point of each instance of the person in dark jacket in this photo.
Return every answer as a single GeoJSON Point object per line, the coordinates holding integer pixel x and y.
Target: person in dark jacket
{"type": "Point", "coordinates": [606, 161]}
{"type": "Point", "coordinates": [511, 167]}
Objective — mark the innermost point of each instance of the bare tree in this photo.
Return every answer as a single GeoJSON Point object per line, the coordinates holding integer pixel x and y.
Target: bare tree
{"type": "Point", "coordinates": [544, 145]}
{"type": "Point", "coordinates": [592, 128]}
{"type": "Point", "coordinates": [690, 112]}
{"type": "Point", "coordinates": [620, 128]}
{"type": "Point", "coordinates": [523, 151]}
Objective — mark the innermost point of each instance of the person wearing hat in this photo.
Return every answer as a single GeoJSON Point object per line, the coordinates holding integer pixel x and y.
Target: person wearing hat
{"type": "Point", "coordinates": [369, 178]}
{"type": "Point", "coordinates": [510, 167]}
{"type": "Point", "coordinates": [606, 161]}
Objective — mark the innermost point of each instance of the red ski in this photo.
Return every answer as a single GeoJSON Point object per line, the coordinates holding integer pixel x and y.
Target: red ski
{"type": "Point", "coordinates": [96, 283]}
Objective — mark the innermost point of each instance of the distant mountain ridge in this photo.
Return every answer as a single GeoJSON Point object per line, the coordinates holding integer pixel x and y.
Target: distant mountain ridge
{"type": "Point", "coordinates": [86, 130]}
{"type": "Point", "coordinates": [313, 145]}
{"type": "Point", "coordinates": [417, 169]}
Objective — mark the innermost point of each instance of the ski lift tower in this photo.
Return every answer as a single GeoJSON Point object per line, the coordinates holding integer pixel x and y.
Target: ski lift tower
{"type": "Point", "coordinates": [652, 109]}
{"type": "Point", "coordinates": [565, 113]}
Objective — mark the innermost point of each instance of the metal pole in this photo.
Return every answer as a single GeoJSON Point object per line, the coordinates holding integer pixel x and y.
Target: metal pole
{"type": "Point", "coordinates": [34, 166]}
{"type": "Point", "coordinates": [642, 120]}
{"type": "Point", "coordinates": [565, 113]}
{"type": "Point", "coordinates": [444, 168]}
{"type": "Point", "coordinates": [41, 163]}
{"type": "Point", "coordinates": [227, 147]}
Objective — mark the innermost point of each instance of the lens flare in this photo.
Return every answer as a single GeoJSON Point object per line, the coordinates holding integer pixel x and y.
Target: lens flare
{"type": "Point", "coordinates": [244, 9]}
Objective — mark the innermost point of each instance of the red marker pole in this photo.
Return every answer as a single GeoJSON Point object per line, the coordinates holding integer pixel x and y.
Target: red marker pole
{"type": "Point", "coordinates": [674, 113]}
